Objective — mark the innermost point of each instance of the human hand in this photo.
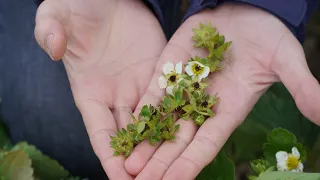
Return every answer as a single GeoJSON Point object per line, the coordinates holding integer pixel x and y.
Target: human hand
{"type": "Point", "coordinates": [263, 52]}
{"type": "Point", "coordinates": [109, 49]}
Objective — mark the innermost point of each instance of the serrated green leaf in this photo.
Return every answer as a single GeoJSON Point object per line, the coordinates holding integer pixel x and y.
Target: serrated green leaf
{"type": "Point", "coordinates": [130, 127]}
{"type": "Point", "coordinates": [166, 135]}
{"type": "Point", "coordinates": [281, 138]}
{"type": "Point", "coordinates": [188, 108]}
{"type": "Point", "coordinates": [277, 175]}
{"type": "Point", "coordinates": [221, 168]}
{"type": "Point", "coordinates": [135, 121]}
{"type": "Point", "coordinates": [16, 165]}
{"type": "Point", "coordinates": [44, 167]}
{"type": "Point", "coordinates": [145, 111]}
{"type": "Point", "coordinates": [141, 126]}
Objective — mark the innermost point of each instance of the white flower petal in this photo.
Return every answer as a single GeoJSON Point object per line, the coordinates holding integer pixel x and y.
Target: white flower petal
{"type": "Point", "coordinates": [188, 70]}
{"type": "Point", "coordinates": [201, 65]}
{"type": "Point", "coordinates": [282, 166]}
{"type": "Point", "coordinates": [281, 156]}
{"type": "Point", "coordinates": [179, 67]}
{"type": "Point", "coordinates": [300, 167]}
{"type": "Point", "coordinates": [295, 152]}
{"type": "Point", "coordinates": [162, 82]}
{"type": "Point", "coordinates": [169, 89]}
{"type": "Point", "coordinates": [205, 73]}
{"type": "Point", "coordinates": [199, 78]}
{"type": "Point", "coordinates": [168, 68]}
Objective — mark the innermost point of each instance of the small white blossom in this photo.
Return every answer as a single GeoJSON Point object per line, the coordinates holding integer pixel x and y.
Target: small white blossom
{"type": "Point", "coordinates": [171, 76]}
{"type": "Point", "coordinates": [197, 70]}
{"type": "Point", "coordinates": [289, 161]}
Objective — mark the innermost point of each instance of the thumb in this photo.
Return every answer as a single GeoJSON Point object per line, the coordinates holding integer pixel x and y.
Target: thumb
{"type": "Point", "coordinates": [50, 33]}
{"type": "Point", "coordinates": [292, 69]}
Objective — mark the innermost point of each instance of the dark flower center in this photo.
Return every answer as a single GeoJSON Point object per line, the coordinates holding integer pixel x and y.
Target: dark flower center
{"type": "Point", "coordinates": [197, 68]}
{"type": "Point", "coordinates": [196, 85]}
{"type": "Point", "coordinates": [173, 78]}
{"type": "Point", "coordinates": [204, 104]}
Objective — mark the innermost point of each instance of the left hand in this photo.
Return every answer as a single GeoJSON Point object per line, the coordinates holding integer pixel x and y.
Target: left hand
{"type": "Point", "coordinates": [263, 52]}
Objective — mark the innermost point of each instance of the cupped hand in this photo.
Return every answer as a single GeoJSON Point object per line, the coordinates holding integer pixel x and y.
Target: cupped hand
{"type": "Point", "coordinates": [109, 49]}
{"type": "Point", "coordinates": [263, 52]}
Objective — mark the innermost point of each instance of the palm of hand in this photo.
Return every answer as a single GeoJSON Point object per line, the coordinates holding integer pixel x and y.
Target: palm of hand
{"type": "Point", "coordinates": [263, 52]}
{"type": "Point", "coordinates": [110, 49]}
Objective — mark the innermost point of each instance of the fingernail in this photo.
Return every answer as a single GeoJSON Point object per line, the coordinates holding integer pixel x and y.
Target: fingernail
{"type": "Point", "coordinates": [49, 40]}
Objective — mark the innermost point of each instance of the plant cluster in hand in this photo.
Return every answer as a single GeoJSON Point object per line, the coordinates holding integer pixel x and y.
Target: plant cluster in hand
{"type": "Point", "coordinates": [185, 95]}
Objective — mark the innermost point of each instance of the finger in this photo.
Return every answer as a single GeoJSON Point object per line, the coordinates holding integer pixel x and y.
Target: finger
{"type": "Point", "coordinates": [122, 116]}
{"type": "Point", "coordinates": [143, 152]}
{"type": "Point", "coordinates": [49, 31]}
{"type": "Point", "coordinates": [161, 160]}
{"type": "Point", "coordinates": [100, 124]}
{"type": "Point", "coordinates": [291, 66]}
{"type": "Point", "coordinates": [234, 105]}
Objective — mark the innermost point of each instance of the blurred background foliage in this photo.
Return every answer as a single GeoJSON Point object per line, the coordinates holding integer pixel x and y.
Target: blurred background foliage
{"type": "Point", "coordinates": [275, 109]}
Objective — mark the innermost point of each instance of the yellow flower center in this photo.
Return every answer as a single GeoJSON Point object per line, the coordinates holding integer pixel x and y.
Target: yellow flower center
{"type": "Point", "coordinates": [197, 69]}
{"type": "Point", "coordinates": [292, 162]}
{"type": "Point", "coordinates": [172, 77]}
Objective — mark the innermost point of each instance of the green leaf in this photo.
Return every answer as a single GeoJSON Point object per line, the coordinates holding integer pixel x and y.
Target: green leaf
{"type": "Point", "coordinates": [44, 167]}
{"type": "Point", "coordinates": [277, 175]}
{"type": "Point", "coordinates": [188, 108]}
{"type": "Point", "coordinates": [141, 126]}
{"type": "Point", "coordinates": [16, 165]}
{"type": "Point", "coordinates": [281, 140]}
{"type": "Point", "coordinates": [4, 138]}
{"type": "Point", "coordinates": [276, 108]}
{"type": "Point", "coordinates": [221, 168]}
{"type": "Point", "coordinates": [145, 111]}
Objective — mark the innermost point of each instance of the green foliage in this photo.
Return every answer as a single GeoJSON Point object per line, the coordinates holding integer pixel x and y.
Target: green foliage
{"type": "Point", "coordinates": [44, 167]}
{"type": "Point", "coordinates": [25, 162]}
{"type": "Point", "coordinates": [188, 99]}
{"type": "Point", "coordinates": [277, 175]}
{"type": "Point", "coordinates": [4, 139]}
{"type": "Point", "coordinates": [15, 165]}
{"type": "Point", "coordinates": [220, 168]}
{"type": "Point", "coordinates": [276, 108]}
{"type": "Point", "coordinates": [282, 140]}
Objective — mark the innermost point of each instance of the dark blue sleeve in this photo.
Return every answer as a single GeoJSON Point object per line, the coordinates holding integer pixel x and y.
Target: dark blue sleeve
{"type": "Point", "coordinates": [152, 4]}
{"type": "Point", "coordinates": [294, 13]}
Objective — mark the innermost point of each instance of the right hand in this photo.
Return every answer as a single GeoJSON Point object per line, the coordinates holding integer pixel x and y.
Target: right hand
{"type": "Point", "coordinates": [109, 49]}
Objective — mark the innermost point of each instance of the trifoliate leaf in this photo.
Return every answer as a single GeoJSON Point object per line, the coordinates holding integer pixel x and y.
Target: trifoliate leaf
{"type": "Point", "coordinates": [44, 167]}
{"type": "Point", "coordinates": [16, 165]}
{"type": "Point", "coordinates": [141, 126]}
